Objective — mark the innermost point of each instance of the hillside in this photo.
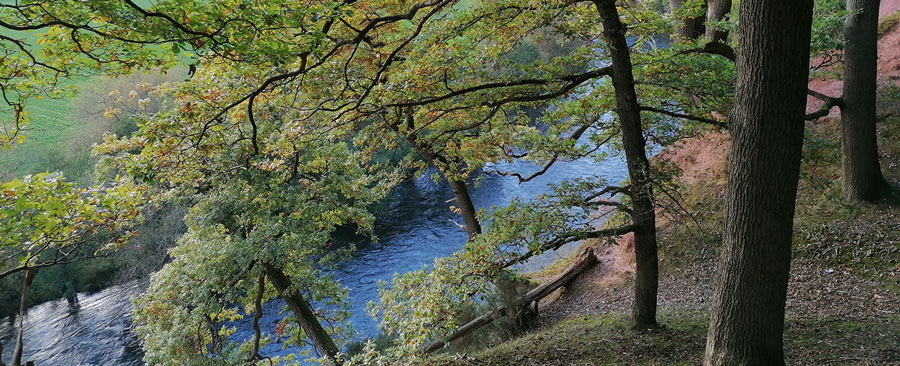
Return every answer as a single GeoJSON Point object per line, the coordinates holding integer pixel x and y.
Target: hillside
{"type": "Point", "coordinates": [843, 292]}
{"type": "Point", "coordinates": [845, 276]}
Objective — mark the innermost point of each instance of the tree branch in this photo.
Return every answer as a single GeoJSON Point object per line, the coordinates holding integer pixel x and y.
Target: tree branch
{"type": "Point", "coordinates": [573, 81]}
{"type": "Point", "coordinates": [714, 48]}
{"type": "Point", "coordinates": [687, 117]}
{"type": "Point", "coordinates": [830, 102]}
{"type": "Point", "coordinates": [569, 237]}
{"type": "Point", "coordinates": [575, 136]}
{"type": "Point", "coordinates": [46, 264]}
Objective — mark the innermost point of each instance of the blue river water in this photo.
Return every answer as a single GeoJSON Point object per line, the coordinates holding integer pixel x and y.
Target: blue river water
{"type": "Point", "coordinates": [417, 228]}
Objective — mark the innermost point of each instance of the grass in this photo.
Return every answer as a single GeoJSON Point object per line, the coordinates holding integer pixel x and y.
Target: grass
{"type": "Point", "coordinates": [54, 126]}
{"type": "Point", "coordinates": [62, 131]}
{"type": "Point", "coordinates": [51, 125]}
{"type": "Point", "coordinates": [608, 340]}
{"type": "Point", "coordinates": [887, 23]}
{"type": "Point", "coordinates": [51, 119]}
{"type": "Point", "coordinates": [560, 265]}
{"type": "Point", "coordinates": [595, 340]}
{"type": "Point", "coordinates": [843, 342]}
{"type": "Point", "coordinates": [862, 237]}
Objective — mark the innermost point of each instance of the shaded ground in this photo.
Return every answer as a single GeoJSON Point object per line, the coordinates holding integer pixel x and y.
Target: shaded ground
{"type": "Point", "coordinates": [607, 340]}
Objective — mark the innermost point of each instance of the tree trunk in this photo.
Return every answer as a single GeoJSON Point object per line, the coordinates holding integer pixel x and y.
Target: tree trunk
{"type": "Point", "coordinates": [643, 215]}
{"type": "Point", "coordinates": [747, 314]}
{"type": "Point", "coordinates": [466, 208]}
{"type": "Point", "coordinates": [257, 315]}
{"type": "Point", "coordinates": [23, 305]}
{"type": "Point", "coordinates": [690, 28]}
{"type": "Point", "coordinates": [460, 190]}
{"type": "Point", "coordinates": [304, 314]}
{"type": "Point", "coordinates": [717, 10]}
{"type": "Point", "coordinates": [862, 179]}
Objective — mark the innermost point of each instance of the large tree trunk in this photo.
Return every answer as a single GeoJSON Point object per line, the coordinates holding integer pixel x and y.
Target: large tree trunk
{"type": "Point", "coordinates": [643, 215]}
{"type": "Point", "coordinates": [690, 28]}
{"type": "Point", "coordinates": [747, 314]}
{"type": "Point", "coordinates": [862, 179]}
{"type": "Point", "coordinates": [466, 207]}
{"type": "Point", "coordinates": [304, 314]}
{"type": "Point", "coordinates": [23, 305]}
{"type": "Point", "coordinates": [717, 10]}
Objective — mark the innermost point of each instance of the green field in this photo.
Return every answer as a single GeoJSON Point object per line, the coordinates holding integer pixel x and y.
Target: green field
{"type": "Point", "coordinates": [49, 127]}
{"type": "Point", "coordinates": [50, 124]}
{"type": "Point", "coordinates": [58, 136]}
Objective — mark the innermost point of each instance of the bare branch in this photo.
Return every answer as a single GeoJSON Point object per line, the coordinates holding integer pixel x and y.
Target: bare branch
{"type": "Point", "coordinates": [830, 102]}
{"type": "Point", "coordinates": [708, 121]}
{"type": "Point", "coordinates": [572, 82]}
{"type": "Point", "coordinates": [567, 238]}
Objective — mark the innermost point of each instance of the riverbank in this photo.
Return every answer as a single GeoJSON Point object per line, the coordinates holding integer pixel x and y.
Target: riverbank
{"type": "Point", "coordinates": [843, 292]}
{"type": "Point", "coordinates": [845, 275]}
{"type": "Point", "coordinates": [416, 227]}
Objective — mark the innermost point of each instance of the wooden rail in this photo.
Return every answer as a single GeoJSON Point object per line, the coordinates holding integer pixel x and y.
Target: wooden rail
{"type": "Point", "coordinates": [585, 260]}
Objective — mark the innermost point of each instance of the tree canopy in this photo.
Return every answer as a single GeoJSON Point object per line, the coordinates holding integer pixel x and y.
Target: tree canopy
{"type": "Point", "coordinates": [45, 221]}
{"type": "Point", "coordinates": [298, 117]}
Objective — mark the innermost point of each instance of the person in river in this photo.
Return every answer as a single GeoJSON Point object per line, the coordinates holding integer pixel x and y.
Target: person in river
{"type": "Point", "coordinates": [70, 293]}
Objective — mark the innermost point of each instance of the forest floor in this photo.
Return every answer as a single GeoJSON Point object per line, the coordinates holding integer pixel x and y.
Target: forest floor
{"type": "Point", "coordinates": [843, 305]}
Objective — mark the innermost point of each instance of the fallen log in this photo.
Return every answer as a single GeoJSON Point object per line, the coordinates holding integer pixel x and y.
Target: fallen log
{"type": "Point", "coordinates": [585, 260]}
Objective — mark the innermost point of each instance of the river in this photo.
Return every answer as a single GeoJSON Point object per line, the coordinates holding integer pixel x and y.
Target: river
{"type": "Point", "coordinates": [417, 228]}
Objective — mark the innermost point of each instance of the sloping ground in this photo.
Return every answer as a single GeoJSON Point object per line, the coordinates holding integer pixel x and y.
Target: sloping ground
{"type": "Point", "coordinates": [596, 340]}
{"type": "Point", "coordinates": [888, 57]}
{"type": "Point", "coordinates": [843, 304]}
{"type": "Point", "coordinates": [888, 7]}
{"type": "Point", "coordinates": [607, 340]}
{"type": "Point", "coordinates": [844, 293]}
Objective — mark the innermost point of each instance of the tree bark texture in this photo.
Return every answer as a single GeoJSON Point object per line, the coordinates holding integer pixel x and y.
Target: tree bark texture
{"type": "Point", "coordinates": [690, 28]}
{"type": "Point", "coordinates": [862, 179]}
{"type": "Point", "coordinates": [747, 314]}
{"type": "Point", "coordinates": [643, 215]}
{"type": "Point", "coordinates": [23, 305]}
{"type": "Point", "coordinates": [717, 10]}
{"type": "Point", "coordinates": [304, 314]}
